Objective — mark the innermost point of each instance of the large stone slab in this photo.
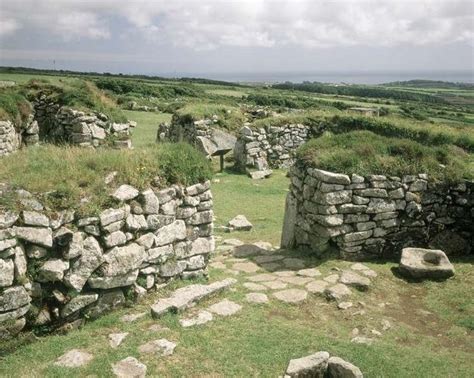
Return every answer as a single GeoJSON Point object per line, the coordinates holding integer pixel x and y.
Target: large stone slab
{"type": "Point", "coordinates": [186, 296]}
{"type": "Point", "coordinates": [225, 308]}
{"type": "Point", "coordinates": [129, 367]}
{"type": "Point", "coordinates": [425, 263]}
{"type": "Point", "coordinates": [161, 347]}
{"type": "Point", "coordinates": [314, 365]}
{"type": "Point", "coordinates": [353, 279]}
{"type": "Point", "coordinates": [291, 295]}
{"type": "Point", "coordinates": [34, 235]}
{"type": "Point", "coordinates": [74, 358]}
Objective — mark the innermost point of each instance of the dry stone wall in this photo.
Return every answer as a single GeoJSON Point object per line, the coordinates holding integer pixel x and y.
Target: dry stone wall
{"type": "Point", "coordinates": [376, 216]}
{"type": "Point", "coordinates": [64, 125]}
{"type": "Point", "coordinates": [58, 267]}
{"type": "Point", "coordinates": [203, 134]}
{"type": "Point", "coordinates": [270, 146]}
{"type": "Point", "coordinates": [13, 138]}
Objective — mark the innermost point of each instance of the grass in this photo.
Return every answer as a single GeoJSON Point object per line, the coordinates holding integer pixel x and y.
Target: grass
{"type": "Point", "coordinates": [14, 105]}
{"type": "Point", "coordinates": [147, 126]}
{"type": "Point", "coordinates": [229, 117]}
{"type": "Point", "coordinates": [262, 202]}
{"type": "Point", "coordinates": [365, 153]}
{"type": "Point", "coordinates": [70, 174]}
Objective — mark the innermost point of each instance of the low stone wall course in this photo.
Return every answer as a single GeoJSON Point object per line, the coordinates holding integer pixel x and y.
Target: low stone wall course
{"type": "Point", "coordinates": [376, 216]}
{"type": "Point", "coordinates": [58, 267]}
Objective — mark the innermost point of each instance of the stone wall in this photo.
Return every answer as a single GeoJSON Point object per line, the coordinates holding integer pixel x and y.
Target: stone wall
{"type": "Point", "coordinates": [202, 134]}
{"type": "Point", "coordinates": [13, 137]}
{"type": "Point", "coordinates": [376, 216]}
{"type": "Point", "coordinates": [270, 146]}
{"type": "Point", "coordinates": [64, 125]}
{"type": "Point", "coordinates": [57, 268]}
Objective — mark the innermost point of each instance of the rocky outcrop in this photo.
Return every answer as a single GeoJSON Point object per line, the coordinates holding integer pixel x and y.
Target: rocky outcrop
{"type": "Point", "coordinates": [56, 267]}
{"type": "Point", "coordinates": [376, 216]}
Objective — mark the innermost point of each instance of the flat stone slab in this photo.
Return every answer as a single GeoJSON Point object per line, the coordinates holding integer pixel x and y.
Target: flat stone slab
{"type": "Point", "coordinates": [344, 305]}
{"type": "Point", "coordinates": [314, 365]}
{"type": "Point", "coordinates": [353, 279]}
{"type": "Point", "coordinates": [268, 259]}
{"type": "Point", "coordinates": [425, 263]}
{"type": "Point", "coordinates": [310, 272]}
{"type": "Point", "coordinates": [186, 296]}
{"type": "Point", "coordinates": [115, 339]}
{"type": "Point", "coordinates": [262, 277]}
{"type": "Point", "coordinates": [299, 281]}
{"type": "Point", "coordinates": [74, 358]}
{"type": "Point", "coordinates": [258, 298]}
{"type": "Point", "coordinates": [294, 263]}
{"type": "Point", "coordinates": [246, 267]}
{"type": "Point", "coordinates": [254, 286]}
{"type": "Point", "coordinates": [337, 292]}
{"type": "Point", "coordinates": [270, 267]}
{"type": "Point", "coordinates": [161, 347]}
{"type": "Point", "coordinates": [247, 250]}
{"type": "Point", "coordinates": [233, 242]}
{"type": "Point", "coordinates": [285, 273]}
{"type": "Point", "coordinates": [275, 285]}
{"type": "Point", "coordinates": [317, 287]}
{"type": "Point", "coordinates": [225, 308]}
{"type": "Point", "coordinates": [202, 317]}
{"type": "Point", "coordinates": [332, 278]}
{"type": "Point", "coordinates": [129, 367]}
{"type": "Point", "coordinates": [291, 295]}
{"type": "Point", "coordinates": [132, 317]}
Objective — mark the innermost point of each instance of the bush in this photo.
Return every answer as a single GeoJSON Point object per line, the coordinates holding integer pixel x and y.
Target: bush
{"type": "Point", "coordinates": [363, 152]}
{"type": "Point", "coordinates": [69, 174]}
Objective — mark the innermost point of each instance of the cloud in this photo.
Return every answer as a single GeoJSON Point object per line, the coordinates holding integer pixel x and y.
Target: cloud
{"type": "Point", "coordinates": [210, 24]}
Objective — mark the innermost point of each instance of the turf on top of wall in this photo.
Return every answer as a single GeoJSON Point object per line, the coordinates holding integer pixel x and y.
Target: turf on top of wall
{"type": "Point", "coordinates": [74, 177]}
{"type": "Point", "coordinates": [365, 153]}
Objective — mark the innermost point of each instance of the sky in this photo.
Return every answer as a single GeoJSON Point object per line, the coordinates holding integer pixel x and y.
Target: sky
{"type": "Point", "coordinates": [246, 36]}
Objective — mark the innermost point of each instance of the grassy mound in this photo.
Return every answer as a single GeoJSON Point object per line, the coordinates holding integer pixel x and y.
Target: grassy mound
{"type": "Point", "coordinates": [364, 153]}
{"type": "Point", "coordinates": [14, 105]}
{"type": "Point", "coordinates": [74, 177]}
{"type": "Point", "coordinates": [229, 117]}
{"type": "Point", "coordinates": [422, 132]}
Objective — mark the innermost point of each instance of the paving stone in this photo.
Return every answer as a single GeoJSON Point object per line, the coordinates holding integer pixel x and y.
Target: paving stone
{"type": "Point", "coordinates": [300, 281]}
{"type": "Point", "coordinates": [310, 272]}
{"type": "Point", "coordinates": [161, 347]}
{"type": "Point", "coordinates": [187, 296]}
{"type": "Point", "coordinates": [285, 273]}
{"type": "Point", "coordinates": [256, 298]}
{"type": "Point", "coordinates": [115, 339]}
{"type": "Point", "coordinates": [332, 278]}
{"type": "Point", "coordinates": [262, 277]}
{"type": "Point", "coordinates": [225, 308]}
{"type": "Point", "coordinates": [129, 367]}
{"type": "Point", "coordinates": [317, 287]}
{"type": "Point", "coordinates": [291, 295]}
{"type": "Point", "coordinates": [337, 292]}
{"type": "Point", "coordinates": [247, 267]}
{"type": "Point", "coordinates": [74, 358]}
{"type": "Point", "coordinates": [247, 250]}
{"type": "Point", "coordinates": [254, 286]}
{"type": "Point", "coordinates": [293, 263]}
{"type": "Point", "coordinates": [270, 267]}
{"type": "Point", "coordinates": [233, 242]}
{"type": "Point", "coordinates": [275, 285]}
{"type": "Point", "coordinates": [353, 279]}
{"type": "Point", "coordinates": [202, 317]}
{"type": "Point", "coordinates": [268, 258]}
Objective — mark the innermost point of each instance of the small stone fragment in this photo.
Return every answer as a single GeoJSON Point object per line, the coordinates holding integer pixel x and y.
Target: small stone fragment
{"type": "Point", "coordinates": [115, 339]}
{"type": "Point", "coordinates": [74, 358]}
{"type": "Point", "coordinates": [128, 368]}
{"type": "Point", "coordinates": [256, 298]}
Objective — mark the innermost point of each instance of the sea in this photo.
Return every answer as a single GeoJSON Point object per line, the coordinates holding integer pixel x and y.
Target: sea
{"type": "Point", "coordinates": [346, 77]}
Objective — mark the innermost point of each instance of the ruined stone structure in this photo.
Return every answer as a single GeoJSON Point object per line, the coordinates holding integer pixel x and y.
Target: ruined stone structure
{"type": "Point", "coordinates": [55, 124]}
{"type": "Point", "coordinates": [64, 125]}
{"type": "Point", "coordinates": [376, 216]}
{"type": "Point", "coordinates": [200, 133]}
{"type": "Point", "coordinates": [58, 267]}
{"type": "Point", "coordinates": [271, 146]}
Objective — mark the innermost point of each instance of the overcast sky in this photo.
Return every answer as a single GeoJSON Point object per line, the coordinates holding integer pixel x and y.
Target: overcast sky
{"type": "Point", "coordinates": [218, 36]}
